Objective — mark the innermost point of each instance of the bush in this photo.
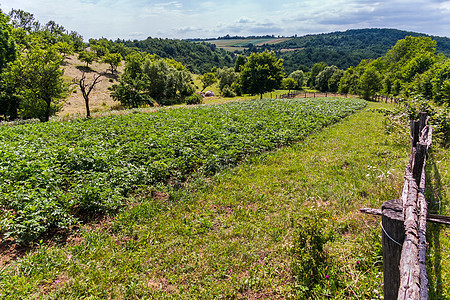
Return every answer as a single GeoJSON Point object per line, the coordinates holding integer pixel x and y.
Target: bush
{"type": "Point", "coordinates": [194, 99]}
{"type": "Point", "coordinates": [398, 119]}
{"type": "Point", "coordinates": [311, 265]}
{"type": "Point", "coordinates": [228, 92]}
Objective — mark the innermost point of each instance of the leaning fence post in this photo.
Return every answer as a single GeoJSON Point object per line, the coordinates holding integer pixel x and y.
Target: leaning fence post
{"type": "Point", "coordinates": [392, 240]}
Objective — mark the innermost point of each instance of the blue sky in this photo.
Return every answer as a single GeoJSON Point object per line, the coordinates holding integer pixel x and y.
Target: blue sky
{"type": "Point", "coordinates": [139, 19]}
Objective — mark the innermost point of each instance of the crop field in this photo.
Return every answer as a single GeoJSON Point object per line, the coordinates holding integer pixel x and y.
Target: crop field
{"type": "Point", "coordinates": [240, 44]}
{"type": "Point", "coordinates": [52, 175]}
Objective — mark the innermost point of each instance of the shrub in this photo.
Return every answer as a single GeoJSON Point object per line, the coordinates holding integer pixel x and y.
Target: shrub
{"type": "Point", "coordinates": [228, 92]}
{"type": "Point", "coordinates": [194, 99]}
{"type": "Point", "coordinates": [311, 266]}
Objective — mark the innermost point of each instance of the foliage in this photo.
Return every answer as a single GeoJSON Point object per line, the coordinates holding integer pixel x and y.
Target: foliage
{"type": "Point", "coordinates": [228, 92]}
{"type": "Point", "coordinates": [226, 77]}
{"type": "Point", "coordinates": [84, 168]}
{"type": "Point", "coordinates": [7, 44]}
{"type": "Point", "coordinates": [114, 60]}
{"type": "Point", "coordinates": [310, 259]}
{"type": "Point", "coordinates": [324, 81]}
{"type": "Point", "coordinates": [24, 20]}
{"type": "Point", "coordinates": [208, 79]}
{"type": "Point", "coordinates": [194, 99]}
{"type": "Point", "coordinates": [370, 82]}
{"type": "Point", "coordinates": [398, 118]}
{"type": "Point", "coordinates": [315, 70]}
{"type": "Point", "coordinates": [241, 60]}
{"type": "Point", "coordinates": [64, 48]}
{"type": "Point", "coordinates": [87, 56]}
{"type": "Point", "coordinates": [344, 49]}
{"type": "Point", "coordinates": [36, 83]}
{"type": "Point", "coordinates": [148, 78]}
{"type": "Point", "coordinates": [261, 73]}
{"type": "Point", "coordinates": [198, 58]}
{"type": "Point", "coordinates": [289, 84]}
{"type": "Point", "coordinates": [299, 77]}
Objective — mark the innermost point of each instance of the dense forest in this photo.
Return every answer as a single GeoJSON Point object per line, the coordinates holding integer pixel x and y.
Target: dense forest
{"type": "Point", "coordinates": [345, 49]}
{"type": "Point", "coordinates": [197, 57]}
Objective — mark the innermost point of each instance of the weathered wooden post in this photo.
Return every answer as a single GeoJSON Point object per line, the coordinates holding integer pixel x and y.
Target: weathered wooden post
{"type": "Point", "coordinates": [392, 241]}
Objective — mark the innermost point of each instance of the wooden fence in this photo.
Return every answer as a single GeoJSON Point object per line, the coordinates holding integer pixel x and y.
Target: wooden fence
{"type": "Point", "coordinates": [299, 94]}
{"type": "Point", "coordinates": [404, 224]}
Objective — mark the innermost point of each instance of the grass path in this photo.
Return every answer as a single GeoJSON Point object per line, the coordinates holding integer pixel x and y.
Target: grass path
{"type": "Point", "coordinates": [231, 236]}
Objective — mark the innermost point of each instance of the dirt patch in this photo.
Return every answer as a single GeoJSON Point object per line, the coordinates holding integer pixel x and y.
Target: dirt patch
{"type": "Point", "coordinates": [10, 252]}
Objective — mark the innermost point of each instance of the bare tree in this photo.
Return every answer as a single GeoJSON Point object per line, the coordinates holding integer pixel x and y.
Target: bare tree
{"type": "Point", "coordinates": [86, 88]}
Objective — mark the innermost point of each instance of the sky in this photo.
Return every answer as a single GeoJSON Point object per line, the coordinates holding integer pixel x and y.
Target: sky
{"type": "Point", "coordinates": [139, 19]}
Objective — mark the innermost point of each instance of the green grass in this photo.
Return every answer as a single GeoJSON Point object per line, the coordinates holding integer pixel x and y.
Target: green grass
{"type": "Point", "coordinates": [236, 235]}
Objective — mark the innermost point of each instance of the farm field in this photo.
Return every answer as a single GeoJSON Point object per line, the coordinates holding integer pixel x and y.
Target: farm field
{"type": "Point", "coordinates": [239, 233]}
{"type": "Point", "coordinates": [54, 173]}
{"type": "Point", "coordinates": [241, 44]}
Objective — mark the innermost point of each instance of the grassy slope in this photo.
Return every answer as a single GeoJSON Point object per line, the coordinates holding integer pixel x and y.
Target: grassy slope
{"type": "Point", "coordinates": [231, 235]}
{"type": "Point", "coordinates": [99, 97]}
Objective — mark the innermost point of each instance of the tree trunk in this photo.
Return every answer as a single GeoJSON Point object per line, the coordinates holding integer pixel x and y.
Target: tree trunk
{"type": "Point", "coordinates": [86, 102]}
{"type": "Point", "coordinates": [47, 110]}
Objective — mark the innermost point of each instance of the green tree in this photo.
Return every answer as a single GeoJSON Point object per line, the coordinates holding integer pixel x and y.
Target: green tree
{"type": "Point", "coordinates": [239, 63]}
{"type": "Point", "coordinates": [149, 79]}
{"type": "Point", "coordinates": [131, 90]}
{"type": "Point", "coordinates": [370, 82]}
{"type": "Point", "coordinates": [226, 77]}
{"type": "Point", "coordinates": [439, 77]}
{"type": "Point", "coordinates": [289, 84]}
{"type": "Point", "coordinates": [333, 82]}
{"type": "Point", "coordinates": [7, 45]}
{"type": "Point", "coordinates": [65, 48]}
{"type": "Point", "coordinates": [37, 78]}
{"type": "Point", "coordinates": [77, 41]}
{"type": "Point", "coordinates": [299, 78]}
{"type": "Point", "coordinates": [208, 79]}
{"type": "Point", "coordinates": [349, 82]}
{"type": "Point", "coordinates": [315, 70]}
{"type": "Point", "coordinates": [114, 60]}
{"type": "Point", "coordinates": [24, 20]}
{"type": "Point", "coordinates": [262, 73]}
{"type": "Point", "coordinates": [100, 50]}
{"type": "Point", "coordinates": [407, 48]}
{"type": "Point", "coordinates": [323, 77]}
{"type": "Point", "coordinates": [88, 57]}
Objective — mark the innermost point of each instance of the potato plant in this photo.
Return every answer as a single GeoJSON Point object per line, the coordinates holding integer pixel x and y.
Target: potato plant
{"type": "Point", "coordinates": [56, 174]}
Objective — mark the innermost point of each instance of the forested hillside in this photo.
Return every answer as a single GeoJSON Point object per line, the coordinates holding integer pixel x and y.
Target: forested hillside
{"type": "Point", "coordinates": [344, 49]}
{"type": "Point", "coordinates": [197, 57]}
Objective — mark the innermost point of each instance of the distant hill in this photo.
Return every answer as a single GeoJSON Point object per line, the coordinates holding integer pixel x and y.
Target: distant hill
{"type": "Point", "coordinates": [342, 49]}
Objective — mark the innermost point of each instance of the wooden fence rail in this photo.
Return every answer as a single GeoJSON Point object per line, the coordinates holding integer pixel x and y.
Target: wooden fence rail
{"type": "Point", "coordinates": [299, 94]}
{"type": "Point", "coordinates": [404, 224]}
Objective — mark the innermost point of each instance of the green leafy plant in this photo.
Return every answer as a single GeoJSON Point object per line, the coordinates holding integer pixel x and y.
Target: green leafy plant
{"type": "Point", "coordinates": [194, 99]}
{"type": "Point", "coordinates": [85, 168]}
{"type": "Point", "coordinates": [311, 267]}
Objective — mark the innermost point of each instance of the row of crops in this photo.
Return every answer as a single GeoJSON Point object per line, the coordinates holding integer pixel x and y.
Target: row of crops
{"type": "Point", "coordinates": [52, 174]}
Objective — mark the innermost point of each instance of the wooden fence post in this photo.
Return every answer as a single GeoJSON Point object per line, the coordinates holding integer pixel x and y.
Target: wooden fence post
{"type": "Point", "coordinates": [392, 240]}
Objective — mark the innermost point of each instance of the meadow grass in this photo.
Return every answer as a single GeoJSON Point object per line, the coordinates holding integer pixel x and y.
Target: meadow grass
{"type": "Point", "coordinates": [237, 235]}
